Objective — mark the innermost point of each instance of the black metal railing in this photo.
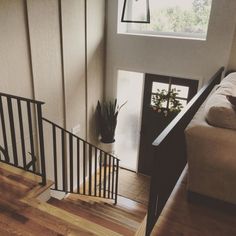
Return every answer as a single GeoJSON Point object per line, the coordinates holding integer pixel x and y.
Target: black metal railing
{"type": "Point", "coordinates": [169, 151]}
{"type": "Point", "coordinates": [80, 167]}
{"type": "Point", "coordinates": [21, 134]}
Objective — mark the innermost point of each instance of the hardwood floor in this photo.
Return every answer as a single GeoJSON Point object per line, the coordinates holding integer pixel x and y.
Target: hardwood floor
{"type": "Point", "coordinates": [134, 186]}
{"type": "Point", "coordinates": [182, 218]}
{"type": "Point", "coordinates": [21, 213]}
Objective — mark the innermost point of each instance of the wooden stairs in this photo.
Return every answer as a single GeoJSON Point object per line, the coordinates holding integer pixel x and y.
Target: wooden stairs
{"type": "Point", "coordinates": [23, 211]}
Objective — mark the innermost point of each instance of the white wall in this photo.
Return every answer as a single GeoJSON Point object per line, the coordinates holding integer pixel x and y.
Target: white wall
{"type": "Point", "coordinates": [41, 59]}
{"type": "Point", "coordinates": [45, 54]}
{"type": "Point", "coordinates": [194, 59]}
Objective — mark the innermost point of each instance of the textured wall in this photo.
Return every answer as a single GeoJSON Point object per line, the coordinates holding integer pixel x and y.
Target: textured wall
{"type": "Point", "coordinates": [43, 46]}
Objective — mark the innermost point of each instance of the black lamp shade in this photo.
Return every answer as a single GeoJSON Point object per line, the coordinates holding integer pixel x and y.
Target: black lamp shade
{"type": "Point", "coordinates": [136, 11]}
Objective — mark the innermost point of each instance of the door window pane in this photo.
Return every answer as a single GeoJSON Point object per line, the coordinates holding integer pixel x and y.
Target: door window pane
{"type": "Point", "coordinates": [182, 90]}
{"type": "Point", "coordinates": [183, 102]}
{"type": "Point", "coordinates": [160, 86]}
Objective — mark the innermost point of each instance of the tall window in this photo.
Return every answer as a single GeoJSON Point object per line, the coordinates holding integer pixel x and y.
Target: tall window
{"type": "Point", "coordinates": [180, 18]}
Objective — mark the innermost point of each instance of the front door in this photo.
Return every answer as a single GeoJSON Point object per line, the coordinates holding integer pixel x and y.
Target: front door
{"type": "Point", "coordinates": [154, 118]}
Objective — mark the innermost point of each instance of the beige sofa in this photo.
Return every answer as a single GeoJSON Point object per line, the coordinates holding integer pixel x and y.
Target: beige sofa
{"type": "Point", "coordinates": [211, 145]}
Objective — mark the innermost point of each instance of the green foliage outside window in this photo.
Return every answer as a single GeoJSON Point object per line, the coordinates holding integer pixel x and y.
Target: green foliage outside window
{"type": "Point", "coordinates": [180, 20]}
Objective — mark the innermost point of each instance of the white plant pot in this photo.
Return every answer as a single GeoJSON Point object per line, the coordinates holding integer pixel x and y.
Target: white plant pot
{"type": "Point", "coordinates": [108, 147]}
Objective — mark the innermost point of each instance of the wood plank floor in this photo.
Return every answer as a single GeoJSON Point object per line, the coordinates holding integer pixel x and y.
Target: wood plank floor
{"type": "Point", "coordinates": [21, 213]}
{"type": "Point", "coordinates": [182, 218]}
{"type": "Point", "coordinates": [134, 186]}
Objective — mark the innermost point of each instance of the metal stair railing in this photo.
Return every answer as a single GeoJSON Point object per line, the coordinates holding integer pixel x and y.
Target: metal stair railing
{"type": "Point", "coordinates": [21, 134]}
{"type": "Point", "coordinates": [80, 167]}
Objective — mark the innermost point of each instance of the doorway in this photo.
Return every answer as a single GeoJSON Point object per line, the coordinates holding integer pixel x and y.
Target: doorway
{"type": "Point", "coordinates": [130, 89]}
{"type": "Point", "coordinates": [155, 116]}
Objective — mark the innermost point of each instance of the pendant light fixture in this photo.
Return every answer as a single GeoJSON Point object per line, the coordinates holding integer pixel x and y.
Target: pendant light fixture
{"type": "Point", "coordinates": [136, 11]}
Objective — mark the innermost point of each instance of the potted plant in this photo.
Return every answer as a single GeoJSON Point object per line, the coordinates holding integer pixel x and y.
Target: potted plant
{"type": "Point", "coordinates": [107, 113]}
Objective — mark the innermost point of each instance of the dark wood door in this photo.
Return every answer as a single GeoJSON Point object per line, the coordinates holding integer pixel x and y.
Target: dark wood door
{"type": "Point", "coordinates": [155, 120]}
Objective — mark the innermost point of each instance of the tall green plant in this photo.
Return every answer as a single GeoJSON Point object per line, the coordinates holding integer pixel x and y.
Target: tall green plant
{"type": "Point", "coordinates": [107, 113]}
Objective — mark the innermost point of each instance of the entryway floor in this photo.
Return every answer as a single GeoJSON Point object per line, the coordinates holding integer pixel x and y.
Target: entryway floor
{"type": "Point", "coordinates": [134, 186]}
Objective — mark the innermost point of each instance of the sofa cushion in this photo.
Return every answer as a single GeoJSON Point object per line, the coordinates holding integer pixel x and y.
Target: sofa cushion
{"type": "Point", "coordinates": [231, 99]}
{"type": "Point", "coordinates": [229, 79]}
{"type": "Point", "coordinates": [218, 110]}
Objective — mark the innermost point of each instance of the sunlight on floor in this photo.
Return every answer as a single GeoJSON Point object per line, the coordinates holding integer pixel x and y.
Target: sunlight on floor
{"type": "Point", "coordinates": [134, 186]}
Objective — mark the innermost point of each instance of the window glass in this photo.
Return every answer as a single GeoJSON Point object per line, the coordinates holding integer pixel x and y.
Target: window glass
{"type": "Point", "coordinates": [182, 90]}
{"type": "Point", "coordinates": [180, 18]}
{"type": "Point", "coordinates": [160, 86]}
{"type": "Point", "coordinates": [153, 98]}
{"type": "Point", "coordinates": [183, 102]}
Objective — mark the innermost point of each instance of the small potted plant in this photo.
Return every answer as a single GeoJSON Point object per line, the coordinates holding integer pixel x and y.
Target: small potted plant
{"type": "Point", "coordinates": [107, 113]}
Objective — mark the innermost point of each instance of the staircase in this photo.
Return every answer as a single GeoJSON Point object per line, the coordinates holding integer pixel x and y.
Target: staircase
{"type": "Point", "coordinates": [87, 176]}
{"type": "Point", "coordinates": [23, 213]}
{"type": "Point", "coordinates": [73, 164]}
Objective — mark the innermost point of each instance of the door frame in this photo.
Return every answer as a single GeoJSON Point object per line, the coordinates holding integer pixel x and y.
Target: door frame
{"type": "Point", "coordinates": [147, 88]}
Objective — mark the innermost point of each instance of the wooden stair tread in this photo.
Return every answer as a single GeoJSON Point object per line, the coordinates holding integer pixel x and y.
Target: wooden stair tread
{"type": "Point", "coordinates": [71, 219]}
{"type": "Point", "coordinates": [96, 217]}
{"type": "Point", "coordinates": [106, 214]}
{"type": "Point", "coordinates": [75, 197]}
{"type": "Point", "coordinates": [123, 203]}
{"type": "Point", "coordinates": [108, 209]}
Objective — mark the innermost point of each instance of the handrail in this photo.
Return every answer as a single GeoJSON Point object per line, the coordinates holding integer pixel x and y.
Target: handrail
{"type": "Point", "coordinates": [80, 167]}
{"type": "Point", "coordinates": [169, 154]}
{"type": "Point", "coordinates": [21, 98]}
{"type": "Point", "coordinates": [58, 126]}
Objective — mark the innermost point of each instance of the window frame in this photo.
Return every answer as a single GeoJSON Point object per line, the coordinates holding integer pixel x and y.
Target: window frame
{"type": "Point", "coordinates": [128, 29]}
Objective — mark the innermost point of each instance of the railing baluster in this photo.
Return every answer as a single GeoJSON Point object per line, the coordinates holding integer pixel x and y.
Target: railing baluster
{"type": "Point", "coordinates": [41, 143]}
{"type": "Point", "coordinates": [31, 134]}
{"type": "Point", "coordinates": [100, 175]}
{"type": "Point", "coordinates": [64, 165]}
{"type": "Point", "coordinates": [95, 172]}
{"type": "Point", "coordinates": [117, 176]}
{"type": "Point", "coordinates": [109, 176]}
{"type": "Point", "coordinates": [4, 130]}
{"type": "Point", "coordinates": [105, 176]}
{"type": "Point", "coordinates": [84, 168]}
{"type": "Point", "coordinates": [12, 129]}
{"type": "Point", "coordinates": [54, 137]}
{"type": "Point", "coordinates": [78, 166]}
{"type": "Point", "coordinates": [21, 133]}
{"type": "Point", "coordinates": [90, 170]}
{"type": "Point", "coordinates": [113, 177]}
{"type": "Point", "coordinates": [71, 162]}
